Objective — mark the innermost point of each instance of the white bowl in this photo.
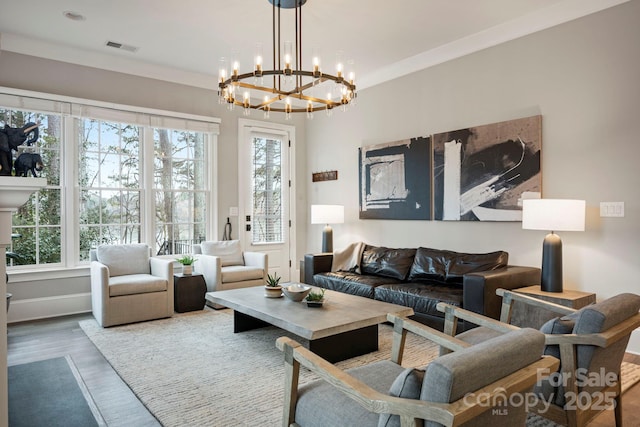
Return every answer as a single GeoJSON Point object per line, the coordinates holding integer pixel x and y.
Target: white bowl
{"type": "Point", "coordinates": [296, 291]}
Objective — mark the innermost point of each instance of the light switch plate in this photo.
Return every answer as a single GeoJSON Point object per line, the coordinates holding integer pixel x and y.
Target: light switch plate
{"type": "Point", "coordinates": [612, 209]}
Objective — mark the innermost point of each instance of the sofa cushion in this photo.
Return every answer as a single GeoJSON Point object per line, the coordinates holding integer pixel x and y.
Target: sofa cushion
{"type": "Point", "coordinates": [407, 385]}
{"type": "Point", "coordinates": [430, 265]}
{"type": "Point", "coordinates": [422, 297]}
{"type": "Point", "coordinates": [388, 262]}
{"type": "Point", "coordinates": [229, 251]}
{"type": "Point", "coordinates": [462, 264]}
{"type": "Point", "coordinates": [124, 259]}
{"type": "Point", "coordinates": [351, 283]}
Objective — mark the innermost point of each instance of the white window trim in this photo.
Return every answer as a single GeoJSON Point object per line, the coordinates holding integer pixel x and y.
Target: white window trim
{"type": "Point", "coordinates": [70, 107]}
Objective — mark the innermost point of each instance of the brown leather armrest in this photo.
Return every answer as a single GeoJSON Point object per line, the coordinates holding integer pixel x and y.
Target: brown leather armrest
{"type": "Point", "coordinates": [316, 263]}
{"type": "Point", "coordinates": [480, 288]}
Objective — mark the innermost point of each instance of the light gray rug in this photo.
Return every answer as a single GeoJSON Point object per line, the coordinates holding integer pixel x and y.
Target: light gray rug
{"type": "Point", "coordinates": [192, 370]}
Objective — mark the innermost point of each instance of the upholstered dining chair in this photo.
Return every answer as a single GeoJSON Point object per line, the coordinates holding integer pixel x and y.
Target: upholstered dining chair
{"type": "Point", "coordinates": [473, 386]}
{"type": "Point", "coordinates": [225, 266]}
{"type": "Point", "coordinates": [128, 285]}
{"type": "Point", "coordinates": [589, 342]}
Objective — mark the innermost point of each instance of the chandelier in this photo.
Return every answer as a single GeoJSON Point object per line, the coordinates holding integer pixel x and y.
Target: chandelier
{"type": "Point", "coordinates": [287, 87]}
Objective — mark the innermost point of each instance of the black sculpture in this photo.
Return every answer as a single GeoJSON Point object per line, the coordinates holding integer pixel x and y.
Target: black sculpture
{"type": "Point", "coordinates": [10, 139]}
{"type": "Point", "coordinates": [28, 162]}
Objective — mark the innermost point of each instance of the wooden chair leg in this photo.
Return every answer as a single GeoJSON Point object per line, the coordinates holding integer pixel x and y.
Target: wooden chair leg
{"type": "Point", "coordinates": [618, 410]}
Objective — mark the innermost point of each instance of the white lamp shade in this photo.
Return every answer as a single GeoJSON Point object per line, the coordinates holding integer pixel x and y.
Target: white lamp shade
{"type": "Point", "coordinates": [553, 214]}
{"type": "Point", "coordinates": [327, 214]}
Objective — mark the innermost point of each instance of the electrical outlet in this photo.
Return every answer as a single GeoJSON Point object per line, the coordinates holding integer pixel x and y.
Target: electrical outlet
{"type": "Point", "coordinates": [612, 209]}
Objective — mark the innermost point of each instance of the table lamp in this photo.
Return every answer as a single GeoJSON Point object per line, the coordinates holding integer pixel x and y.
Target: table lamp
{"type": "Point", "coordinates": [552, 215]}
{"type": "Point", "coordinates": [327, 214]}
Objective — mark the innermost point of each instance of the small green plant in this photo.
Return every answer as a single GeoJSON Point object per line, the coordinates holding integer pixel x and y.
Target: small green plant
{"type": "Point", "coordinates": [273, 281]}
{"type": "Point", "coordinates": [315, 296]}
{"type": "Point", "coordinates": [186, 260]}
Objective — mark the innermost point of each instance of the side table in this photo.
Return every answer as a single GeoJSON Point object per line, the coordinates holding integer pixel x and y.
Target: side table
{"type": "Point", "coordinates": [188, 292]}
{"type": "Point", "coordinates": [535, 317]}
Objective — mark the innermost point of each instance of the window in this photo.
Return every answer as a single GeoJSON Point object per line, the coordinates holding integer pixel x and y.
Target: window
{"type": "Point", "coordinates": [113, 176]}
{"type": "Point", "coordinates": [37, 229]}
{"type": "Point", "coordinates": [109, 178]}
{"type": "Point", "coordinates": [267, 190]}
{"type": "Point", "coordinates": [179, 183]}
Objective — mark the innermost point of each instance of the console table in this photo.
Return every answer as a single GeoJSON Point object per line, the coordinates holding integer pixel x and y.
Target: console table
{"type": "Point", "coordinates": [188, 292]}
{"type": "Point", "coordinates": [535, 317]}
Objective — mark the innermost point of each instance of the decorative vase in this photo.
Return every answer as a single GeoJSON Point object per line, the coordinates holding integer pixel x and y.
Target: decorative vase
{"type": "Point", "coordinates": [273, 291]}
{"type": "Point", "coordinates": [187, 270]}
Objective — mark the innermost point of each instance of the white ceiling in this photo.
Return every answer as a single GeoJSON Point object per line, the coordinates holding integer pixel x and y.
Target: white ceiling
{"type": "Point", "coordinates": [182, 41]}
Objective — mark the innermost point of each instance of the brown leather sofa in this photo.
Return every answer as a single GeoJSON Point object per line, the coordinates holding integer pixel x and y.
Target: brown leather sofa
{"type": "Point", "coordinates": [423, 277]}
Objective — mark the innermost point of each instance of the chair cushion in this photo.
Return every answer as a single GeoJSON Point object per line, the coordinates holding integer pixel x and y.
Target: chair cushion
{"type": "Point", "coordinates": [229, 251]}
{"type": "Point", "coordinates": [557, 325]}
{"type": "Point", "coordinates": [477, 335]}
{"type": "Point", "coordinates": [601, 316]}
{"type": "Point", "coordinates": [452, 376]}
{"type": "Point", "coordinates": [321, 405]}
{"type": "Point", "coordinates": [136, 284]}
{"type": "Point", "coordinates": [124, 259]}
{"type": "Point", "coordinates": [241, 273]}
{"type": "Point", "coordinates": [406, 385]}
{"type": "Point", "coordinates": [463, 264]}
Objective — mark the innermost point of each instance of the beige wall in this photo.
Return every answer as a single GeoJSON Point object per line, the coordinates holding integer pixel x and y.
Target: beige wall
{"type": "Point", "coordinates": [582, 77]}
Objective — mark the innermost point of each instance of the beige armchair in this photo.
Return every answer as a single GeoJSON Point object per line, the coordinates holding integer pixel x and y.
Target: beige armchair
{"type": "Point", "coordinates": [127, 285]}
{"type": "Point", "coordinates": [225, 266]}
{"type": "Point", "coordinates": [590, 343]}
{"type": "Point", "coordinates": [472, 386]}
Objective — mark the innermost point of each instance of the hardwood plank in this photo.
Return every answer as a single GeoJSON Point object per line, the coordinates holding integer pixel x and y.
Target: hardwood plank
{"type": "Point", "coordinates": [44, 339]}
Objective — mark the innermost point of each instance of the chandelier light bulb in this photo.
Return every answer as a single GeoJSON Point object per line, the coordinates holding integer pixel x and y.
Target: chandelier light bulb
{"type": "Point", "coordinates": [286, 85]}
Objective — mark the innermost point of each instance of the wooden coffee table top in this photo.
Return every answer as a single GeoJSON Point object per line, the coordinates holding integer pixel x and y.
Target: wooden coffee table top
{"type": "Point", "coordinates": [340, 313]}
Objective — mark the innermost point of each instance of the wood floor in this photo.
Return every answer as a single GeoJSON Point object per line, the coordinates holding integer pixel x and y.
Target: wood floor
{"type": "Point", "coordinates": [45, 339]}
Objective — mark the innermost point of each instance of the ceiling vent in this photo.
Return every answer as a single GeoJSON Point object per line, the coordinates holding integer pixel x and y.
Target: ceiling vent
{"type": "Point", "coordinates": [121, 46]}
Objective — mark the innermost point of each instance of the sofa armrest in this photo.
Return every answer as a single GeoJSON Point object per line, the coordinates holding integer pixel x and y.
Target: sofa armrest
{"type": "Point", "coordinates": [479, 289]}
{"type": "Point", "coordinates": [257, 259]}
{"type": "Point", "coordinates": [316, 263]}
{"type": "Point", "coordinates": [211, 269]}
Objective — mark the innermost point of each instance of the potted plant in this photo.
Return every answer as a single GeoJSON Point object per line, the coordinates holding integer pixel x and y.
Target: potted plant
{"type": "Point", "coordinates": [272, 286]}
{"type": "Point", "coordinates": [315, 298]}
{"type": "Point", "coordinates": [187, 264]}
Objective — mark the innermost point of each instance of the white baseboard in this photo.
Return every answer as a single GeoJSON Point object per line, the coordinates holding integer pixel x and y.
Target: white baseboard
{"type": "Point", "coordinates": [42, 308]}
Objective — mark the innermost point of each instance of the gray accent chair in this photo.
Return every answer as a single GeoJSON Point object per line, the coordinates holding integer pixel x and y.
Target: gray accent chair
{"type": "Point", "coordinates": [225, 266]}
{"type": "Point", "coordinates": [128, 285]}
{"type": "Point", "coordinates": [589, 342]}
{"type": "Point", "coordinates": [471, 386]}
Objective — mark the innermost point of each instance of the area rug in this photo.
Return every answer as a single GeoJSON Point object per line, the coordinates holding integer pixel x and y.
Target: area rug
{"type": "Point", "coordinates": [50, 393]}
{"type": "Point", "coordinates": [192, 370]}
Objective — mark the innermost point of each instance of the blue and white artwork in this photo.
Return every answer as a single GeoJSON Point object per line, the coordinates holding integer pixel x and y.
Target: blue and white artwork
{"type": "Point", "coordinates": [395, 180]}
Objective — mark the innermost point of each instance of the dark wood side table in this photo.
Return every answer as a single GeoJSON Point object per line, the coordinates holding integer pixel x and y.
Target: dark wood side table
{"type": "Point", "coordinates": [188, 292]}
{"type": "Point", "coordinates": [535, 317]}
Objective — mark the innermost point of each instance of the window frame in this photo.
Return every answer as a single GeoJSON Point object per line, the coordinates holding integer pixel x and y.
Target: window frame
{"type": "Point", "coordinates": [71, 108]}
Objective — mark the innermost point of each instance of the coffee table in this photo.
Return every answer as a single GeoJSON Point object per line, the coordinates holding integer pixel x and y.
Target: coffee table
{"type": "Point", "coordinates": [345, 326]}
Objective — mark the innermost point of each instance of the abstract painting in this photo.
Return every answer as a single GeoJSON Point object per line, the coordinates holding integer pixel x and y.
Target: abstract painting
{"type": "Point", "coordinates": [395, 180]}
{"type": "Point", "coordinates": [482, 173]}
